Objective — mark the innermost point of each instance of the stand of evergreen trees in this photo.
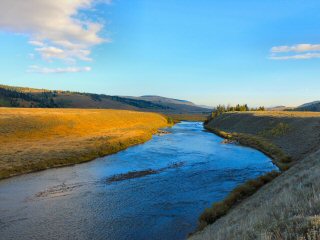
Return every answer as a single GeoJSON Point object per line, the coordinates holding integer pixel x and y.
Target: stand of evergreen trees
{"type": "Point", "coordinates": [220, 109]}
{"type": "Point", "coordinates": [14, 97]}
{"type": "Point", "coordinates": [20, 97]}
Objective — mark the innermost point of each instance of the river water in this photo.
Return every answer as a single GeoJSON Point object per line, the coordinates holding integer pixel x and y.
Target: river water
{"type": "Point", "coordinates": [174, 177]}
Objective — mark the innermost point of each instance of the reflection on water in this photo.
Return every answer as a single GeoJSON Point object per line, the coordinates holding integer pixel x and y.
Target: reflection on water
{"type": "Point", "coordinates": [160, 189]}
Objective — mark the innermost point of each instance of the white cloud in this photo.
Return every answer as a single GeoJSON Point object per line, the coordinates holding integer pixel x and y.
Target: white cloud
{"type": "Point", "coordinates": [36, 43]}
{"type": "Point", "coordinates": [296, 48]}
{"type": "Point", "coordinates": [45, 70]}
{"type": "Point", "coordinates": [55, 27]}
{"type": "Point", "coordinates": [51, 52]}
{"type": "Point", "coordinates": [307, 51]}
{"type": "Point", "coordinates": [66, 54]}
{"type": "Point", "coordinates": [296, 56]}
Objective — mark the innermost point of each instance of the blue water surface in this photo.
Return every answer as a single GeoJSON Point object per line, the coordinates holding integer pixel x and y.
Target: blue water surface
{"type": "Point", "coordinates": [78, 202]}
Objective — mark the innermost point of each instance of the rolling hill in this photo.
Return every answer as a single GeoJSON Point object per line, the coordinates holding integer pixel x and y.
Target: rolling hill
{"type": "Point", "coordinates": [278, 108]}
{"type": "Point", "coordinates": [311, 106]}
{"type": "Point", "coordinates": [42, 98]}
{"type": "Point", "coordinates": [160, 100]}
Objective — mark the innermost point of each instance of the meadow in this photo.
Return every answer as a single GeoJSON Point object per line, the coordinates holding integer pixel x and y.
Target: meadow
{"type": "Point", "coordinates": [36, 139]}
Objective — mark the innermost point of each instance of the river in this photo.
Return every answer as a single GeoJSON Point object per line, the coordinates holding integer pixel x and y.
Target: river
{"type": "Point", "coordinates": [171, 179]}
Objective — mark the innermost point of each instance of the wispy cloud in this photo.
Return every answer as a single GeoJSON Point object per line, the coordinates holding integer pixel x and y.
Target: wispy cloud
{"type": "Point", "coordinates": [36, 43]}
{"type": "Point", "coordinates": [69, 55]}
{"type": "Point", "coordinates": [56, 29]}
{"type": "Point", "coordinates": [298, 51]}
{"type": "Point", "coordinates": [297, 56]}
{"type": "Point", "coordinates": [296, 48]}
{"type": "Point", "coordinates": [45, 70]}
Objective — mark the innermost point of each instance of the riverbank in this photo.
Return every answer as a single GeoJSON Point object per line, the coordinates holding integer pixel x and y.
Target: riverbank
{"type": "Point", "coordinates": [288, 206]}
{"type": "Point", "coordinates": [196, 117]}
{"type": "Point", "coordinates": [155, 190]}
{"type": "Point", "coordinates": [278, 157]}
{"type": "Point", "coordinates": [296, 134]}
{"type": "Point", "coordinates": [38, 139]}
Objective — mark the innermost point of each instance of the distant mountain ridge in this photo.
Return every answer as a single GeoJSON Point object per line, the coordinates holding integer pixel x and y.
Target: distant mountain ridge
{"type": "Point", "coordinates": [311, 106]}
{"type": "Point", "coordinates": [278, 108]}
{"type": "Point", "coordinates": [42, 98]}
{"type": "Point", "coordinates": [166, 100]}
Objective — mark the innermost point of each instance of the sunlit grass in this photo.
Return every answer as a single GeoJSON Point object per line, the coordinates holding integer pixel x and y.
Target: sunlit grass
{"type": "Point", "coordinates": [36, 139]}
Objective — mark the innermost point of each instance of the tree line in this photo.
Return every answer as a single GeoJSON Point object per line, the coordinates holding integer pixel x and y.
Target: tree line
{"type": "Point", "coordinates": [14, 98]}
{"type": "Point", "coordinates": [220, 109]}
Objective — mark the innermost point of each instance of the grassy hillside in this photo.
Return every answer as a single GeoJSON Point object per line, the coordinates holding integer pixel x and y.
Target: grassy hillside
{"type": "Point", "coordinates": [42, 98]}
{"type": "Point", "coordinates": [36, 139]}
{"type": "Point", "coordinates": [289, 206]}
{"type": "Point", "coordinates": [159, 99]}
{"type": "Point", "coordinates": [295, 133]}
{"type": "Point", "coordinates": [312, 106]}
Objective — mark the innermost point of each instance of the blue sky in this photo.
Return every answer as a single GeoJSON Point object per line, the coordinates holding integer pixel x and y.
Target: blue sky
{"type": "Point", "coordinates": [210, 52]}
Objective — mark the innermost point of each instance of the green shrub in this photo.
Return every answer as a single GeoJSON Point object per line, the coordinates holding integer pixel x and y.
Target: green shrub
{"type": "Point", "coordinates": [277, 131]}
{"type": "Point", "coordinates": [170, 120]}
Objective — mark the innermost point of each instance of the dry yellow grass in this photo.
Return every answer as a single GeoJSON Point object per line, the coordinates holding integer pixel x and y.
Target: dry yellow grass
{"type": "Point", "coordinates": [284, 114]}
{"type": "Point", "coordinates": [36, 139]}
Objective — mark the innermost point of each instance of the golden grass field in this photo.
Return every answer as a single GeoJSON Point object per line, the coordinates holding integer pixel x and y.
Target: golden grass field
{"type": "Point", "coordinates": [37, 139]}
{"type": "Point", "coordinates": [289, 206]}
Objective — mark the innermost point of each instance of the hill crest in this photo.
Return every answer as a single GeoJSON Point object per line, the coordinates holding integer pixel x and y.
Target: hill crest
{"type": "Point", "coordinates": [11, 96]}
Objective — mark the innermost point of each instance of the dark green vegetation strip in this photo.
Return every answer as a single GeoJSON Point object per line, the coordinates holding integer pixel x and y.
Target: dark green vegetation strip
{"type": "Point", "coordinates": [240, 193]}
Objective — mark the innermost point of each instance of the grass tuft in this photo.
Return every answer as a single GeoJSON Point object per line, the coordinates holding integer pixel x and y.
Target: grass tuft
{"type": "Point", "coordinates": [280, 129]}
